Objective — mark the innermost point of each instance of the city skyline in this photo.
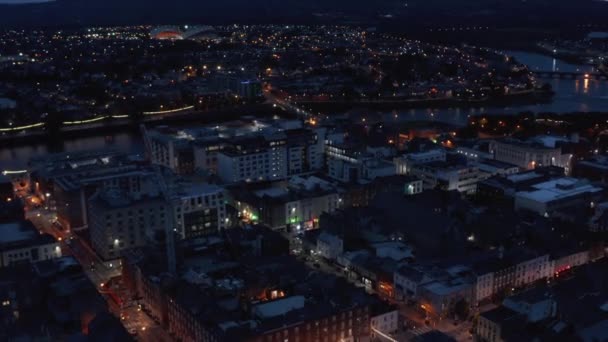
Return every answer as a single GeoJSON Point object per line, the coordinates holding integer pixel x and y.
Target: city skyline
{"type": "Point", "coordinates": [320, 171]}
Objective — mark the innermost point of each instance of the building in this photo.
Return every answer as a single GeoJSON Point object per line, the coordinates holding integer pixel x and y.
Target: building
{"type": "Point", "coordinates": [404, 163]}
{"type": "Point", "coordinates": [408, 279]}
{"type": "Point", "coordinates": [20, 242]}
{"type": "Point", "coordinates": [167, 33]}
{"type": "Point", "coordinates": [257, 240]}
{"type": "Point", "coordinates": [384, 320]}
{"type": "Point", "coordinates": [599, 221]}
{"type": "Point", "coordinates": [529, 155]}
{"type": "Point", "coordinates": [274, 156]}
{"type": "Point", "coordinates": [67, 181]}
{"type": "Point", "coordinates": [176, 152]}
{"type": "Point", "coordinates": [245, 150]}
{"type": "Point", "coordinates": [216, 297]}
{"type": "Point", "coordinates": [449, 176]}
{"type": "Point", "coordinates": [502, 188]}
{"type": "Point", "coordinates": [594, 169]}
{"type": "Point", "coordinates": [118, 222]}
{"type": "Point", "coordinates": [537, 304]}
{"type": "Point", "coordinates": [566, 259]}
{"type": "Point", "coordinates": [343, 160]}
{"type": "Point", "coordinates": [203, 33]}
{"type": "Point", "coordinates": [329, 245]}
{"type": "Point", "coordinates": [495, 325]}
{"type": "Point", "coordinates": [495, 167]}
{"type": "Point", "coordinates": [199, 209]}
{"type": "Point", "coordinates": [571, 309]}
{"type": "Point", "coordinates": [473, 153]}
{"type": "Point", "coordinates": [355, 163]}
{"type": "Point", "coordinates": [505, 271]}
{"type": "Point", "coordinates": [53, 299]}
{"type": "Point", "coordinates": [558, 194]}
{"type": "Point", "coordinates": [297, 204]}
{"type": "Point", "coordinates": [360, 194]}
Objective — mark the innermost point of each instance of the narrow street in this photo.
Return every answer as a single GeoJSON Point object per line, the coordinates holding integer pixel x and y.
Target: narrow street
{"type": "Point", "coordinates": [106, 277]}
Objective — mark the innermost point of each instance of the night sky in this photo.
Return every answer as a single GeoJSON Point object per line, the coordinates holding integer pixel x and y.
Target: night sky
{"type": "Point", "coordinates": [21, 1]}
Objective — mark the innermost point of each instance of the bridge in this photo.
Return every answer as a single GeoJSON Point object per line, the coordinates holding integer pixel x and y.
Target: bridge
{"type": "Point", "coordinates": [571, 75]}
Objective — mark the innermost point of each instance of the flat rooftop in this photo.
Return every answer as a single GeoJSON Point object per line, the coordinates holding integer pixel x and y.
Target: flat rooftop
{"type": "Point", "coordinates": [559, 188]}
{"type": "Point", "coordinates": [279, 307]}
{"type": "Point", "coordinates": [524, 176]}
{"type": "Point", "coordinates": [15, 232]}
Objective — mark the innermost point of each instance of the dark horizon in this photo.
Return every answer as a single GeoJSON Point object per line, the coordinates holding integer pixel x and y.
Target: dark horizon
{"type": "Point", "coordinates": [389, 13]}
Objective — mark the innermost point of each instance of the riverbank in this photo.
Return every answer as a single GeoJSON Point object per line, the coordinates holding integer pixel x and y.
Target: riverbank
{"type": "Point", "coordinates": [128, 125]}
{"type": "Point", "coordinates": [527, 98]}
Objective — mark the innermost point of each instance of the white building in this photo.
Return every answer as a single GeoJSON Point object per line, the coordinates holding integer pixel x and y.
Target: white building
{"type": "Point", "coordinates": [240, 151]}
{"type": "Point", "coordinates": [449, 176]}
{"type": "Point", "coordinates": [496, 168]}
{"type": "Point", "coordinates": [536, 304]}
{"type": "Point", "coordinates": [275, 156]}
{"type": "Point", "coordinates": [570, 260]}
{"type": "Point", "coordinates": [518, 269]}
{"type": "Point", "coordinates": [118, 223]}
{"type": "Point", "coordinates": [403, 164]}
{"type": "Point", "coordinates": [373, 168]}
{"type": "Point", "coordinates": [413, 187]}
{"type": "Point", "coordinates": [529, 155]}
{"type": "Point", "coordinates": [20, 242]}
{"type": "Point", "coordinates": [529, 271]}
{"type": "Point", "coordinates": [384, 324]}
{"type": "Point", "coordinates": [407, 280]}
{"type": "Point", "coordinates": [472, 153]}
{"type": "Point", "coordinates": [557, 194]}
{"type": "Point", "coordinates": [329, 245]}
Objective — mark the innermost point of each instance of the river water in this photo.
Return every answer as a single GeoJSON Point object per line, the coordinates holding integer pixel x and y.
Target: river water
{"type": "Point", "coordinates": [570, 96]}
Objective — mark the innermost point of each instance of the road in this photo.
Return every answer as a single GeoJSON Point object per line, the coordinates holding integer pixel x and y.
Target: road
{"type": "Point", "coordinates": [286, 105]}
{"type": "Point", "coordinates": [141, 326]}
{"type": "Point", "coordinates": [414, 322]}
{"type": "Point", "coordinates": [107, 279]}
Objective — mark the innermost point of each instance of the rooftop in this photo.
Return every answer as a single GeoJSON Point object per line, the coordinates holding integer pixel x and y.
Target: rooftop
{"type": "Point", "coordinates": [557, 189]}
{"type": "Point", "coordinates": [499, 314]}
{"type": "Point", "coordinates": [279, 307]}
{"type": "Point", "coordinates": [21, 234]}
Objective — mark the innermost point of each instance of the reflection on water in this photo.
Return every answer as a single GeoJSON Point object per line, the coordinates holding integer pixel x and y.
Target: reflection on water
{"type": "Point", "coordinates": [570, 96]}
{"type": "Point", "coordinates": [538, 62]}
{"type": "Point", "coordinates": [17, 157]}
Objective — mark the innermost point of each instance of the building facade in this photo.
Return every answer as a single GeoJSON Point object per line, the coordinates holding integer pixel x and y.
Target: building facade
{"type": "Point", "coordinates": [118, 223]}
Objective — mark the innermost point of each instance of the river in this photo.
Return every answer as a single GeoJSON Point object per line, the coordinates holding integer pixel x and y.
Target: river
{"type": "Point", "coordinates": [17, 158]}
{"type": "Point", "coordinates": [570, 96]}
